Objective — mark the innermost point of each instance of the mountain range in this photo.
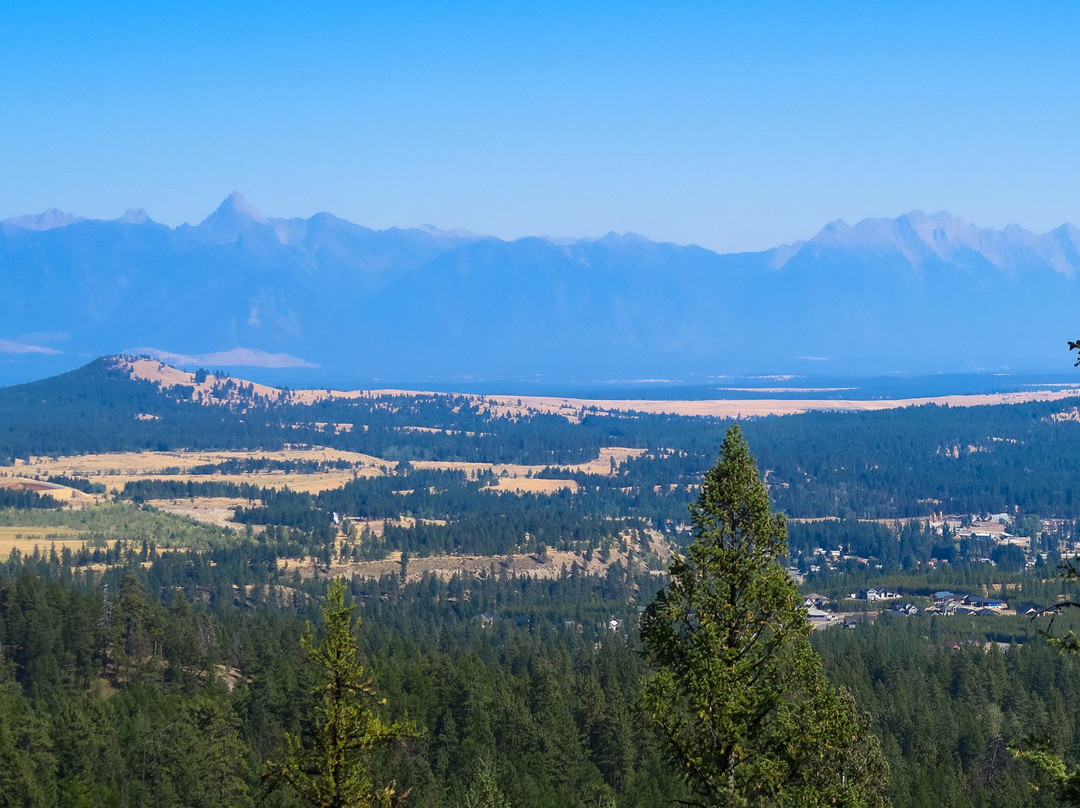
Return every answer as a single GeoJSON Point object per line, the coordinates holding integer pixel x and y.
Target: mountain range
{"type": "Point", "coordinates": [325, 300]}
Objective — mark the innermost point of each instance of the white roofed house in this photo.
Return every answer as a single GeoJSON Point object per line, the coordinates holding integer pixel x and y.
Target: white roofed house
{"type": "Point", "coordinates": [817, 616]}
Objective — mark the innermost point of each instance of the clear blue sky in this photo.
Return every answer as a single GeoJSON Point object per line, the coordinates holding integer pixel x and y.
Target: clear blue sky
{"type": "Point", "coordinates": [731, 125]}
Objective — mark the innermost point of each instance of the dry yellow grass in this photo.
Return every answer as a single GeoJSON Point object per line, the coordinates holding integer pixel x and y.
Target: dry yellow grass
{"type": "Point", "coordinates": [601, 465]}
{"type": "Point", "coordinates": [532, 485]}
{"type": "Point", "coordinates": [26, 538]}
{"type": "Point", "coordinates": [114, 470]}
{"type": "Point", "coordinates": [610, 458]}
{"type": "Point", "coordinates": [66, 495]}
{"type": "Point", "coordinates": [167, 376]}
{"type": "Point", "coordinates": [311, 483]}
{"type": "Point", "coordinates": [141, 463]}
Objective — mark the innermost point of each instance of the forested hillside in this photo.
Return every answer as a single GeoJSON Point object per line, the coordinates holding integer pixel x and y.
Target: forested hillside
{"type": "Point", "coordinates": [499, 562]}
{"type": "Point", "coordinates": [171, 686]}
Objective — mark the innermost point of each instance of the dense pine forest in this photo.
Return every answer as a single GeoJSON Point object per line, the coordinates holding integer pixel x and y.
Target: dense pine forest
{"type": "Point", "coordinates": [173, 683]}
{"type": "Point", "coordinates": [159, 661]}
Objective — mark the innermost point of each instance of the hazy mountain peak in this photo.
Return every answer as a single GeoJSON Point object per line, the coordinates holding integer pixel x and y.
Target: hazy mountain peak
{"type": "Point", "coordinates": [413, 302]}
{"type": "Point", "coordinates": [457, 232]}
{"type": "Point", "coordinates": [135, 216]}
{"type": "Point", "coordinates": [46, 220]}
{"type": "Point", "coordinates": [235, 204]}
{"type": "Point", "coordinates": [612, 238]}
{"type": "Point", "coordinates": [915, 236]}
{"type": "Point", "coordinates": [232, 216]}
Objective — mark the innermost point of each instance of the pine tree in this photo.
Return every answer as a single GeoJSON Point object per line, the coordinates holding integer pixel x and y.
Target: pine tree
{"type": "Point", "coordinates": [484, 791]}
{"type": "Point", "coordinates": [738, 693]}
{"type": "Point", "coordinates": [333, 770]}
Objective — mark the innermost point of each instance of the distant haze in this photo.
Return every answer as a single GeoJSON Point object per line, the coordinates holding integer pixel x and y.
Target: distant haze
{"type": "Point", "coordinates": [917, 294]}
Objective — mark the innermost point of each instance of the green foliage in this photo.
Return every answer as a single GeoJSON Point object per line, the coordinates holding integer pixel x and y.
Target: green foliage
{"type": "Point", "coordinates": [334, 769]}
{"type": "Point", "coordinates": [108, 522]}
{"type": "Point", "coordinates": [738, 693]}
{"type": "Point", "coordinates": [1049, 765]}
{"type": "Point", "coordinates": [485, 792]}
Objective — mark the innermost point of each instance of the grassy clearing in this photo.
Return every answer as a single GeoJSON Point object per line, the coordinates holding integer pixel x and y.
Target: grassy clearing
{"type": "Point", "coordinates": [607, 463]}
{"type": "Point", "coordinates": [531, 485]}
{"type": "Point", "coordinates": [136, 463]}
{"type": "Point", "coordinates": [311, 483]}
{"type": "Point", "coordinates": [118, 522]}
{"type": "Point", "coordinates": [116, 469]}
{"type": "Point", "coordinates": [210, 510]}
{"type": "Point", "coordinates": [25, 539]}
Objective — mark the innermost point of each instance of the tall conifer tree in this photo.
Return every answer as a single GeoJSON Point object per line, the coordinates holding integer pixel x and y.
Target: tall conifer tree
{"type": "Point", "coordinates": [333, 769]}
{"type": "Point", "coordinates": [738, 693]}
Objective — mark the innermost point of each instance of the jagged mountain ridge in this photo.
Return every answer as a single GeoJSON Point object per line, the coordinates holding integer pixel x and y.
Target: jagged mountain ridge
{"type": "Point", "coordinates": [919, 293]}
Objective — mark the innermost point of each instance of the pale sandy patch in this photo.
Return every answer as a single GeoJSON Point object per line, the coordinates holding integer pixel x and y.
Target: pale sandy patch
{"type": "Point", "coordinates": [746, 408]}
{"type": "Point", "coordinates": [573, 409]}
{"type": "Point", "coordinates": [216, 511]}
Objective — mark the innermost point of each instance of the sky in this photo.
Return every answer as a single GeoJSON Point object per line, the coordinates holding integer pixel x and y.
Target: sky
{"type": "Point", "coordinates": [736, 126]}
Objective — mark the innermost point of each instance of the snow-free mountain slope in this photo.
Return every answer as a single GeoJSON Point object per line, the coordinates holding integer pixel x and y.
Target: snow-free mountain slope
{"type": "Point", "coordinates": [919, 293]}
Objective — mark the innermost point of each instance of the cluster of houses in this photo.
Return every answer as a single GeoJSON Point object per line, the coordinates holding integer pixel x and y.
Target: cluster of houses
{"type": "Point", "coordinates": [874, 594]}
{"type": "Point", "coordinates": [815, 612]}
{"type": "Point", "coordinates": [992, 530]}
{"type": "Point", "coordinates": [830, 559]}
{"type": "Point", "coordinates": [950, 603]}
{"type": "Point", "coordinates": [944, 603]}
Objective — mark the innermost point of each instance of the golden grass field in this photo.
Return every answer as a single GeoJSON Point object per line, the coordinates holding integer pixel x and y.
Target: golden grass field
{"type": "Point", "coordinates": [114, 470]}
{"type": "Point", "coordinates": [158, 372]}
{"type": "Point", "coordinates": [531, 485]}
{"type": "Point", "coordinates": [608, 458]}
{"type": "Point", "coordinates": [26, 538]}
